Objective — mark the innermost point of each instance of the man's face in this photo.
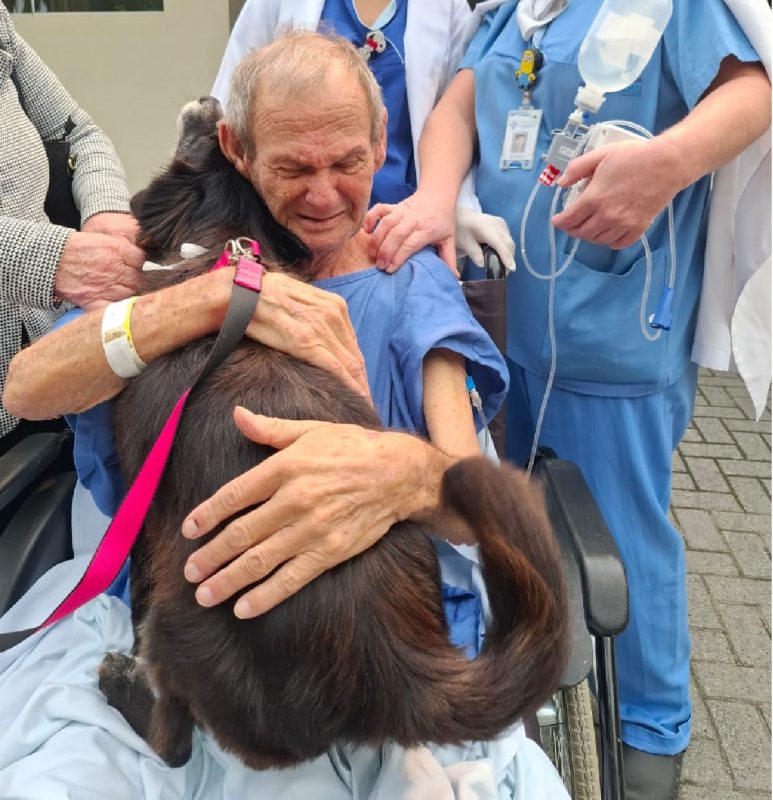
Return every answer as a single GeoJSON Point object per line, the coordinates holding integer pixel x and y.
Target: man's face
{"type": "Point", "coordinates": [314, 162]}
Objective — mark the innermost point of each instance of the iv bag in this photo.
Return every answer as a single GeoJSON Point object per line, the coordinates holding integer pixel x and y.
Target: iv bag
{"type": "Point", "coordinates": [621, 41]}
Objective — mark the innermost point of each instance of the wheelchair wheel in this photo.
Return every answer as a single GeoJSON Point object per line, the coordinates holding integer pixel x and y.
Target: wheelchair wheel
{"type": "Point", "coordinates": [568, 737]}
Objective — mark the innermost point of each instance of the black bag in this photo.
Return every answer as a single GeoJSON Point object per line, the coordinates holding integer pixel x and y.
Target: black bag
{"type": "Point", "coordinates": [60, 205]}
{"type": "Point", "coordinates": [487, 301]}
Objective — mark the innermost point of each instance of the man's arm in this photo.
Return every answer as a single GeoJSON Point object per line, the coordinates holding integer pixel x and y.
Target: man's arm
{"type": "Point", "coordinates": [328, 494]}
{"type": "Point", "coordinates": [66, 371]}
{"type": "Point", "coordinates": [631, 182]}
{"type": "Point", "coordinates": [447, 408]}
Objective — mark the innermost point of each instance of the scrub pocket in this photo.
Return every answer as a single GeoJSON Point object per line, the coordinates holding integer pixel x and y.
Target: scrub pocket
{"type": "Point", "coordinates": [597, 322]}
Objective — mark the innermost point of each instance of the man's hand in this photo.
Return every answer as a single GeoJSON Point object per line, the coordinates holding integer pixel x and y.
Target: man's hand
{"type": "Point", "coordinates": [113, 224]}
{"type": "Point", "coordinates": [401, 230]}
{"type": "Point", "coordinates": [331, 492]}
{"type": "Point", "coordinates": [629, 185]}
{"type": "Point", "coordinates": [95, 269]}
{"type": "Point", "coordinates": [310, 324]}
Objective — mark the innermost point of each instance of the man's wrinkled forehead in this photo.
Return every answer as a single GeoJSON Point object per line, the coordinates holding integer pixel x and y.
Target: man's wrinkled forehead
{"type": "Point", "coordinates": [333, 110]}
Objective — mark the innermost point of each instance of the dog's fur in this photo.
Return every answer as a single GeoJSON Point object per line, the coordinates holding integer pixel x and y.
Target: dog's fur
{"type": "Point", "coordinates": [361, 655]}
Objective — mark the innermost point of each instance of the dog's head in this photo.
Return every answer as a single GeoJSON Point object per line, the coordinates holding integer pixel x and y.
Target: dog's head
{"type": "Point", "coordinates": [201, 198]}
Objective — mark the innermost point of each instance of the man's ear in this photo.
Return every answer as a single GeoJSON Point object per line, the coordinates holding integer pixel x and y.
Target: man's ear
{"type": "Point", "coordinates": [232, 149]}
{"type": "Point", "coordinates": [382, 142]}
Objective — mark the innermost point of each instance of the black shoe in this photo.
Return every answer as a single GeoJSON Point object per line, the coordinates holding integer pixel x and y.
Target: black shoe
{"type": "Point", "coordinates": [651, 777]}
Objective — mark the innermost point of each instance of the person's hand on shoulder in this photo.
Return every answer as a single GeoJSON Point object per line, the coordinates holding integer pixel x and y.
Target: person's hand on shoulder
{"type": "Point", "coordinates": [311, 324]}
{"type": "Point", "coordinates": [398, 231]}
{"type": "Point", "coordinates": [97, 268]}
{"type": "Point", "coordinates": [330, 492]}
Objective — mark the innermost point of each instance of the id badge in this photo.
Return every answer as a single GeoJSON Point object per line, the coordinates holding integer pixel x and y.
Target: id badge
{"type": "Point", "coordinates": [520, 142]}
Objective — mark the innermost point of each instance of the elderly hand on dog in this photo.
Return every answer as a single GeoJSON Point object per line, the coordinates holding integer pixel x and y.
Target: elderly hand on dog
{"type": "Point", "coordinates": [100, 263]}
{"type": "Point", "coordinates": [328, 494]}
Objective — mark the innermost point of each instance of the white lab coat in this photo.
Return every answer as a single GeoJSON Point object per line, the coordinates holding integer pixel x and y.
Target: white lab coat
{"type": "Point", "coordinates": [437, 33]}
{"type": "Point", "coordinates": [734, 315]}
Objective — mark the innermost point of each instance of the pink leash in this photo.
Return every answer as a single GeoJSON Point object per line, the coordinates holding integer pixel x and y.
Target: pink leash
{"type": "Point", "coordinates": [118, 540]}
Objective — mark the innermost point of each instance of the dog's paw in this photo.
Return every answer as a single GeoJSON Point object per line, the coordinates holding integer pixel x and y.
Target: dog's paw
{"type": "Point", "coordinates": [115, 676]}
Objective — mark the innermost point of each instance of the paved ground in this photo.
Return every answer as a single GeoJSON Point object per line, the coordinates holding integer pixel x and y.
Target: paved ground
{"type": "Point", "coordinates": [721, 502]}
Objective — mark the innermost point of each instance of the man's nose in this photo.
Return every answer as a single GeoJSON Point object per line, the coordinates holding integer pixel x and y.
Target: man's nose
{"type": "Point", "coordinates": [321, 191]}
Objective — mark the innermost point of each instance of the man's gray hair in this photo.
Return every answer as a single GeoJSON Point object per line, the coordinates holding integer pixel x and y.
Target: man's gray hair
{"type": "Point", "coordinates": [295, 64]}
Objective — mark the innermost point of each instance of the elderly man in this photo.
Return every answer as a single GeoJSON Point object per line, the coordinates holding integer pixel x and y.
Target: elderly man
{"type": "Point", "coordinates": [308, 133]}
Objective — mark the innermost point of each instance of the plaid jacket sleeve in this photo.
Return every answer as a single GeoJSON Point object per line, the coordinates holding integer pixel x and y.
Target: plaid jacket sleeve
{"type": "Point", "coordinates": [30, 247]}
{"type": "Point", "coordinates": [99, 183]}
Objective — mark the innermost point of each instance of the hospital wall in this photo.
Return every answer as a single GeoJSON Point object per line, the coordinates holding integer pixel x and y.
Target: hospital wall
{"type": "Point", "coordinates": [133, 71]}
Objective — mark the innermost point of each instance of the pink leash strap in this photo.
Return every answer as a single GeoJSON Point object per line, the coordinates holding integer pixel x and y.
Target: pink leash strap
{"type": "Point", "coordinates": [118, 540]}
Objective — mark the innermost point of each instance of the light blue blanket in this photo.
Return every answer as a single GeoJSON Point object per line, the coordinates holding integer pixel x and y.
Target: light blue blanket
{"type": "Point", "coordinates": [59, 740]}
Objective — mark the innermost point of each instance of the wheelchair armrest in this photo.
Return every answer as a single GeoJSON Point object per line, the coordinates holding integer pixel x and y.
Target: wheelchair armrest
{"type": "Point", "coordinates": [26, 460]}
{"type": "Point", "coordinates": [579, 524]}
{"type": "Point", "coordinates": [37, 537]}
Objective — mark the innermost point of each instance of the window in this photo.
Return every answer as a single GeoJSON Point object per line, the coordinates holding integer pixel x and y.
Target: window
{"type": "Point", "coordinates": [43, 6]}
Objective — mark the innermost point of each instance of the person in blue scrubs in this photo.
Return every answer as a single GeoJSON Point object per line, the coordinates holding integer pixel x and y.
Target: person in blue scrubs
{"type": "Point", "coordinates": [620, 403]}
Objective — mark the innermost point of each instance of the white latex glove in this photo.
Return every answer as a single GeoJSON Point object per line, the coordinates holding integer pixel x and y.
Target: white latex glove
{"type": "Point", "coordinates": [474, 229]}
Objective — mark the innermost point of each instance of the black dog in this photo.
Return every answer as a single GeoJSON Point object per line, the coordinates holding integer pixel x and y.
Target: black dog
{"type": "Point", "coordinates": [361, 655]}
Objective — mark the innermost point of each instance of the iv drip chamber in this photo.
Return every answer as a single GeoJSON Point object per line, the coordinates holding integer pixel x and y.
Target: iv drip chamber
{"type": "Point", "coordinates": [620, 42]}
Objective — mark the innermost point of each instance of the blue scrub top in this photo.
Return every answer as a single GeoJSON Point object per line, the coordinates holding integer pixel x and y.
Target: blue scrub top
{"type": "Point", "coordinates": [396, 180]}
{"type": "Point", "coordinates": [601, 349]}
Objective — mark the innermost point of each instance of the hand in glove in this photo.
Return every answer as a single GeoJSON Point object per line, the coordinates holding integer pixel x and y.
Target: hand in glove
{"type": "Point", "coordinates": [474, 229]}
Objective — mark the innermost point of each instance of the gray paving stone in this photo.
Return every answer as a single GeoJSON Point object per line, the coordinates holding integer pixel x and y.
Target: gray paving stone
{"type": "Point", "coordinates": [750, 554]}
{"type": "Point", "coordinates": [717, 396]}
{"type": "Point", "coordinates": [744, 740]}
{"type": "Point", "coordinates": [765, 711]}
{"type": "Point", "coordinates": [730, 521]}
{"type": "Point", "coordinates": [677, 463]}
{"type": "Point", "coordinates": [683, 480]}
{"type": "Point", "coordinates": [726, 413]}
{"type": "Point", "coordinates": [700, 610]}
{"type": "Point", "coordinates": [739, 591]}
{"type": "Point", "coordinates": [700, 530]}
{"type": "Point", "coordinates": [750, 494]}
{"type": "Point", "coordinates": [712, 645]}
{"type": "Point", "coordinates": [713, 501]}
{"type": "Point", "coordinates": [746, 405]}
{"type": "Point", "coordinates": [692, 435]}
{"type": "Point", "coordinates": [753, 446]}
{"type": "Point", "coordinates": [704, 765]}
{"type": "Point", "coordinates": [701, 562]}
{"type": "Point", "coordinates": [722, 379]}
{"type": "Point", "coordinates": [754, 469]}
{"type": "Point", "coordinates": [706, 474]}
{"type": "Point", "coordinates": [729, 682]}
{"type": "Point", "coordinates": [713, 430]}
{"type": "Point", "coordinates": [689, 791]}
{"type": "Point", "coordinates": [766, 485]}
{"type": "Point", "coordinates": [702, 726]}
{"type": "Point", "coordinates": [748, 635]}
{"type": "Point", "coordinates": [700, 450]}
{"type": "Point", "coordinates": [751, 425]}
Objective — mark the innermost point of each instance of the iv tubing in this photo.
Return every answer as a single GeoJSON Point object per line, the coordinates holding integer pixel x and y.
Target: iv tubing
{"type": "Point", "coordinates": [555, 273]}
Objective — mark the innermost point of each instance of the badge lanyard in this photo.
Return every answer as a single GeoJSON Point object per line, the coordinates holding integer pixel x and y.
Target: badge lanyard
{"type": "Point", "coordinates": [523, 124]}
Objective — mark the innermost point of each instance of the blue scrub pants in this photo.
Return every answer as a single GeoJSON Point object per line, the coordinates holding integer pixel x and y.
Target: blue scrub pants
{"type": "Point", "coordinates": [624, 446]}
